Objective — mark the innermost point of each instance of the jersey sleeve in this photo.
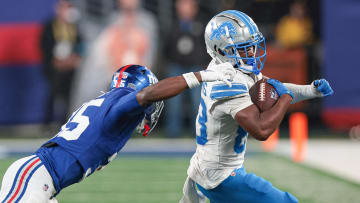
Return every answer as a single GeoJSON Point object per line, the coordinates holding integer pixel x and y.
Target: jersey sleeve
{"type": "Point", "coordinates": [126, 105]}
{"type": "Point", "coordinates": [239, 104]}
{"type": "Point", "coordinates": [234, 105]}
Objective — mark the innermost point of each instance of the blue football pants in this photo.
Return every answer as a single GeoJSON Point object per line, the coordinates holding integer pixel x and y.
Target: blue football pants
{"type": "Point", "coordinates": [246, 187]}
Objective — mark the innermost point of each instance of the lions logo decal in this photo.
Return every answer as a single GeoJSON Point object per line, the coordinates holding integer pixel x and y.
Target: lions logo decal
{"type": "Point", "coordinates": [221, 30]}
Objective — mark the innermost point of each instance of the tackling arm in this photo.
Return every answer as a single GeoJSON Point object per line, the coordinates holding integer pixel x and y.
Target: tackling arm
{"type": "Point", "coordinates": [164, 89]}
{"type": "Point", "coordinates": [175, 85]}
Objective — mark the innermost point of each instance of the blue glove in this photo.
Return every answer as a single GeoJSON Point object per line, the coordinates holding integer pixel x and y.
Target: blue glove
{"type": "Point", "coordinates": [323, 87]}
{"type": "Point", "coordinates": [279, 87]}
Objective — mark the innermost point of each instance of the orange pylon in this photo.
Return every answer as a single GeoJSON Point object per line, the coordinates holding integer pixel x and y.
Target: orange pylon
{"type": "Point", "coordinates": [271, 143]}
{"type": "Point", "coordinates": [298, 135]}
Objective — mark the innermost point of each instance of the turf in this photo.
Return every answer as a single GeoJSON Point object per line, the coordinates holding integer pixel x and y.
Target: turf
{"type": "Point", "coordinates": [159, 179]}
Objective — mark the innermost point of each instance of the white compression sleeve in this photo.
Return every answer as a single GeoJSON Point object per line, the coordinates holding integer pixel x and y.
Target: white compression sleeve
{"type": "Point", "coordinates": [302, 92]}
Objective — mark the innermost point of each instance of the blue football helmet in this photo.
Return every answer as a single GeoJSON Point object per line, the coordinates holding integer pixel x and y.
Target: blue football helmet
{"type": "Point", "coordinates": [138, 77]}
{"type": "Point", "coordinates": [232, 32]}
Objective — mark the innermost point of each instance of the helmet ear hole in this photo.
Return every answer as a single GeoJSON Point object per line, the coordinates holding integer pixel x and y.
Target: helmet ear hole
{"type": "Point", "coordinates": [220, 52]}
{"type": "Point", "coordinates": [143, 72]}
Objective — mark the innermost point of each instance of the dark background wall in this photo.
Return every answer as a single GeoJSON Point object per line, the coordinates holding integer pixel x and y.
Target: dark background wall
{"type": "Point", "coordinates": [24, 90]}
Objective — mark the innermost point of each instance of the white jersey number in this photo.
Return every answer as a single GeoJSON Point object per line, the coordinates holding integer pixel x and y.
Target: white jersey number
{"type": "Point", "coordinates": [81, 120]}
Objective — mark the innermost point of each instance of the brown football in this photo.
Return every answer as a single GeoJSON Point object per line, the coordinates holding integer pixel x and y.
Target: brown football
{"type": "Point", "coordinates": [263, 95]}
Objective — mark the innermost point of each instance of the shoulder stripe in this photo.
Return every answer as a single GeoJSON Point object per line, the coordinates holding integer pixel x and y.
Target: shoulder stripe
{"type": "Point", "coordinates": [219, 91]}
{"type": "Point", "coordinates": [235, 86]}
{"type": "Point", "coordinates": [218, 95]}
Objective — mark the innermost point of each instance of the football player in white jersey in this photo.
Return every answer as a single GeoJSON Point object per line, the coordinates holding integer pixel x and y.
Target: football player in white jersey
{"type": "Point", "coordinates": [227, 116]}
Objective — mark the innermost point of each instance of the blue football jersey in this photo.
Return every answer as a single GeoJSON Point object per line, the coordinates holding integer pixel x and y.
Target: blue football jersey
{"type": "Point", "coordinates": [93, 135]}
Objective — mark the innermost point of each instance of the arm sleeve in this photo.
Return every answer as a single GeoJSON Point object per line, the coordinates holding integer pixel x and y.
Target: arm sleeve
{"type": "Point", "coordinates": [302, 92]}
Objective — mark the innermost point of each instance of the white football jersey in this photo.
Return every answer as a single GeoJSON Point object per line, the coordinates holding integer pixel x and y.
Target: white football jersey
{"type": "Point", "coordinates": [221, 142]}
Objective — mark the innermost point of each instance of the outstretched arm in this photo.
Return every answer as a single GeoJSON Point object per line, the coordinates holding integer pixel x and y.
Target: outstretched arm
{"type": "Point", "coordinates": [164, 89]}
{"type": "Point", "coordinates": [173, 86]}
{"type": "Point", "coordinates": [318, 88]}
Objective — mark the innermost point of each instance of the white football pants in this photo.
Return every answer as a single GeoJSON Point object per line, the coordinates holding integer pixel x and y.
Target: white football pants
{"type": "Point", "coordinates": [27, 181]}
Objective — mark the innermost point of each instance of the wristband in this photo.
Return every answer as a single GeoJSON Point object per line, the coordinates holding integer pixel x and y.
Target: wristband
{"type": "Point", "coordinates": [191, 80]}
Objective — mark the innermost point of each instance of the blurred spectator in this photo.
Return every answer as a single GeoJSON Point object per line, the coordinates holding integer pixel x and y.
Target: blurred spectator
{"type": "Point", "coordinates": [130, 38]}
{"type": "Point", "coordinates": [185, 51]}
{"type": "Point", "coordinates": [95, 16]}
{"type": "Point", "coordinates": [295, 29]}
{"type": "Point", "coordinates": [61, 47]}
{"type": "Point", "coordinates": [133, 36]}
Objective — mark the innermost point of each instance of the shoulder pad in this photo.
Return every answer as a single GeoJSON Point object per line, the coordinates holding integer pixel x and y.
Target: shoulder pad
{"type": "Point", "coordinates": [223, 91]}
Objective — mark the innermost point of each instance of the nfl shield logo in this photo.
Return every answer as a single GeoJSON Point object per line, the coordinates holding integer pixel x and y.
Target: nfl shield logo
{"type": "Point", "coordinates": [45, 187]}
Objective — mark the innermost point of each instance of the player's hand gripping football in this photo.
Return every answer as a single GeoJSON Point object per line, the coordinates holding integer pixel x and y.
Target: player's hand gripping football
{"type": "Point", "coordinates": [279, 87]}
{"type": "Point", "coordinates": [323, 87]}
{"type": "Point", "coordinates": [224, 72]}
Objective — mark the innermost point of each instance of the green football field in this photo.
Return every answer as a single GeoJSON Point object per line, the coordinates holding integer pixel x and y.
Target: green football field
{"type": "Point", "coordinates": [159, 179]}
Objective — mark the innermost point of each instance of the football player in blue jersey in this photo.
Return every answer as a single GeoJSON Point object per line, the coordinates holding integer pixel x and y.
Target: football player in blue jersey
{"type": "Point", "coordinates": [97, 131]}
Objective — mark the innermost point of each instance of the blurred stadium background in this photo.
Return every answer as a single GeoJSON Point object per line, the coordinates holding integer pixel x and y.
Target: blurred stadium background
{"type": "Point", "coordinates": [317, 39]}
